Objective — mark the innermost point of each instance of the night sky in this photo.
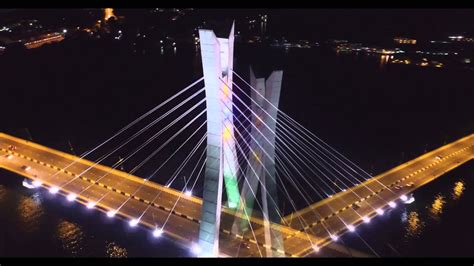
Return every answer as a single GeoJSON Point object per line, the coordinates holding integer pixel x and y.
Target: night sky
{"type": "Point", "coordinates": [371, 24]}
{"type": "Point", "coordinates": [319, 24]}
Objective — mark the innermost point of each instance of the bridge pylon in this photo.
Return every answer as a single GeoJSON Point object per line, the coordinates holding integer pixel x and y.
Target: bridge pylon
{"type": "Point", "coordinates": [262, 171]}
{"type": "Point", "coordinates": [217, 62]}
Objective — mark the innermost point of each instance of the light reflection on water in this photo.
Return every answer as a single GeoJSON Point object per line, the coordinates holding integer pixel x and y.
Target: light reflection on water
{"type": "Point", "coordinates": [71, 237]}
{"type": "Point", "coordinates": [30, 212]}
{"type": "Point", "coordinates": [459, 188]}
{"type": "Point", "coordinates": [115, 251]}
{"type": "Point", "coordinates": [420, 225]}
{"type": "Point", "coordinates": [384, 60]}
{"type": "Point", "coordinates": [437, 206]}
{"type": "Point", "coordinates": [414, 226]}
{"type": "Point", "coordinates": [36, 225]}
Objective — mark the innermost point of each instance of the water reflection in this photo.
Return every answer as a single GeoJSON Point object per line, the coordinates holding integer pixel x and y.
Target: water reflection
{"type": "Point", "coordinates": [30, 211]}
{"type": "Point", "coordinates": [437, 206]}
{"type": "Point", "coordinates": [459, 188]}
{"type": "Point", "coordinates": [115, 251]}
{"type": "Point", "coordinates": [414, 225]}
{"type": "Point", "coordinates": [384, 59]}
{"type": "Point", "coordinates": [71, 237]}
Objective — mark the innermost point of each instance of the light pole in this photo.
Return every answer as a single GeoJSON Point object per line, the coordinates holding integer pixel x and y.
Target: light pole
{"type": "Point", "coordinates": [70, 147]}
{"type": "Point", "coordinates": [29, 134]}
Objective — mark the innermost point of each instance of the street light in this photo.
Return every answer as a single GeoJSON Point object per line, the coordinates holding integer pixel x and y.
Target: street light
{"type": "Point", "coordinates": [71, 197]}
{"type": "Point", "coordinates": [366, 219]}
{"type": "Point", "coordinates": [196, 249]}
{"type": "Point", "coordinates": [133, 222]}
{"type": "Point", "coordinates": [54, 190]}
{"type": "Point", "coordinates": [157, 232]}
{"type": "Point", "coordinates": [316, 248]}
{"type": "Point", "coordinates": [379, 211]}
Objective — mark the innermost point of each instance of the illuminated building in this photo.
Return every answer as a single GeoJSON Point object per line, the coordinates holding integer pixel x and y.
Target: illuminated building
{"type": "Point", "coordinates": [456, 38]}
{"type": "Point", "coordinates": [109, 13]}
{"type": "Point", "coordinates": [402, 40]}
{"type": "Point", "coordinates": [461, 39]}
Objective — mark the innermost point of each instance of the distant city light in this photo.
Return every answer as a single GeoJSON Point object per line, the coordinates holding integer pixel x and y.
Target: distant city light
{"type": "Point", "coordinates": [64, 31]}
{"type": "Point", "coordinates": [109, 13]}
{"type": "Point", "coordinates": [402, 40]}
{"type": "Point", "coordinates": [456, 37]}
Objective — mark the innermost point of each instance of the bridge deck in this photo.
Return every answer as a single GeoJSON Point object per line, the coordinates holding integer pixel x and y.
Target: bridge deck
{"type": "Point", "coordinates": [50, 166]}
{"type": "Point", "coordinates": [378, 191]}
{"type": "Point", "coordinates": [183, 223]}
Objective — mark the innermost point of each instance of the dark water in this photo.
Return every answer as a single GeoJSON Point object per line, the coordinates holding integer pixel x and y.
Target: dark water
{"type": "Point", "coordinates": [437, 224]}
{"type": "Point", "coordinates": [37, 224]}
{"type": "Point", "coordinates": [378, 115]}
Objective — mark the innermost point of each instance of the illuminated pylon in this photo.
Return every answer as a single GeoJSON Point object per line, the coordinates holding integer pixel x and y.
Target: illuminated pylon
{"type": "Point", "coordinates": [217, 61]}
{"type": "Point", "coordinates": [261, 170]}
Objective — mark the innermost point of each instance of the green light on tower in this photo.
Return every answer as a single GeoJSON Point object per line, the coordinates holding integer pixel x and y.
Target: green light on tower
{"type": "Point", "coordinates": [232, 189]}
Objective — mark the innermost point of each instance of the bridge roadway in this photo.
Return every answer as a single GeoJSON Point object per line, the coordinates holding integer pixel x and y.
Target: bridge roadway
{"type": "Point", "coordinates": [183, 223]}
{"type": "Point", "coordinates": [50, 166]}
{"type": "Point", "coordinates": [377, 192]}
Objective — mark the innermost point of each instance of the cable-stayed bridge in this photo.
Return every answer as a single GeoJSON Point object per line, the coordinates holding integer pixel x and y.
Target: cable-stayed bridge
{"type": "Point", "coordinates": [245, 157]}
